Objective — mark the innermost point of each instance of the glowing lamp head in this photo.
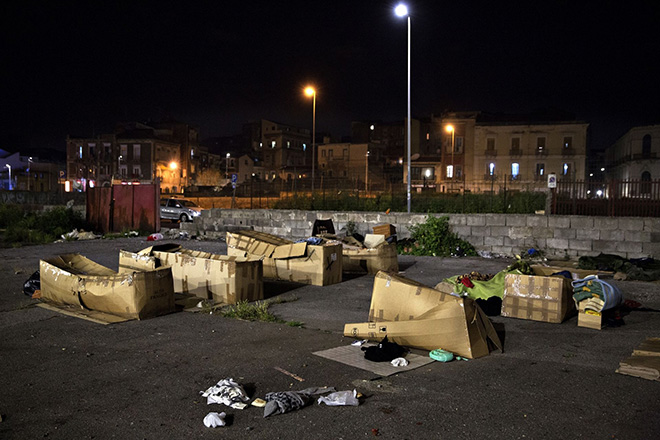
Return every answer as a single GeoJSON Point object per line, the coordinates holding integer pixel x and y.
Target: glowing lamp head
{"type": "Point", "coordinates": [449, 128]}
{"type": "Point", "coordinates": [309, 91]}
{"type": "Point", "coordinates": [401, 10]}
{"type": "Point", "coordinates": [173, 165]}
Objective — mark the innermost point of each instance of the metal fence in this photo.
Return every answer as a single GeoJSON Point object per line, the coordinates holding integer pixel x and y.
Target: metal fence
{"type": "Point", "coordinates": [615, 198]}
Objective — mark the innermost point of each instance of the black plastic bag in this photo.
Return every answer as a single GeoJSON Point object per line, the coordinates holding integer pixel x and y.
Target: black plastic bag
{"type": "Point", "coordinates": [32, 284]}
{"type": "Point", "coordinates": [383, 352]}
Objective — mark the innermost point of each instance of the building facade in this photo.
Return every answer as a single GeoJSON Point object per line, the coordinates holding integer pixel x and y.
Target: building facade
{"type": "Point", "coordinates": [635, 155]}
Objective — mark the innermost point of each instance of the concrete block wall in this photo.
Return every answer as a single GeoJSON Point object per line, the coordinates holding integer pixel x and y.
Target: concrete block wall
{"type": "Point", "coordinates": [502, 234]}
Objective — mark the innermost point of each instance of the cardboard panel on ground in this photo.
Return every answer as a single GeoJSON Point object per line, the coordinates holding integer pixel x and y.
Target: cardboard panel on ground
{"type": "Point", "coordinates": [540, 297]}
{"type": "Point", "coordinates": [319, 265]}
{"type": "Point", "coordinates": [415, 315]}
{"type": "Point", "coordinates": [74, 280]}
{"type": "Point", "coordinates": [225, 279]}
{"type": "Point", "coordinates": [371, 256]}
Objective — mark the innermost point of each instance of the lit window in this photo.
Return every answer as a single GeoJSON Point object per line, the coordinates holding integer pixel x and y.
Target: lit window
{"type": "Point", "coordinates": [568, 142]}
{"type": "Point", "coordinates": [427, 136]}
{"type": "Point", "coordinates": [565, 169]}
{"type": "Point", "coordinates": [540, 144]}
{"type": "Point", "coordinates": [491, 168]}
{"type": "Point", "coordinates": [273, 144]}
{"type": "Point", "coordinates": [540, 169]}
{"type": "Point", "coordinates": [288, 144]}
{"type": "Point", "coordinates": [515, 169]}
{"type": "Point", "coordinates": [450, 171]}
{"type": "Point", "coordinates": [80, 152]}
{"type": "Point", "coordinates": [304, 147]}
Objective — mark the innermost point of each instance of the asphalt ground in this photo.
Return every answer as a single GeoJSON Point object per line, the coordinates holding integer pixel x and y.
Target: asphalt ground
{"type": "Point", "coordinates": [67, 378]}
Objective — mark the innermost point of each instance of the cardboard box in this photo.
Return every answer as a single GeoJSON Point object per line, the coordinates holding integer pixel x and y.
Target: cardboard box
{"type": "Point", "coordinates": [72, 279]}
{"type": "Point", "coordinates": [319, 265]}
{"type": "Point", "coordinates": [589, 318]}
{"type": "Point", "coordinates": [377, 256]}
{"type": "Point", "coordinates": [386, 229]}
{"type": "Point", "coordinates": [538, 297]}
{"type": "Point", "coordinates": [415, 315]}
{"type": "Point", "coordinates": [225, 279]}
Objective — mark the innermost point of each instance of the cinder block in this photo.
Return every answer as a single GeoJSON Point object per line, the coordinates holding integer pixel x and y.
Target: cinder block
{"type": "Point", "coordinates": [580, 245]}
{"type": "Point", "coordinates": [652, 225]}
{"type": "Point", "coordinates": [496, 220]}
{"type": "Point", "coordinates": [541, 232]}
{"type": "Point", "coordinates": [476, 220]}
{"type": "Point", "coordinates": [516, 220]}
{"type": "Point", "coordinates": [499, 231]}
{"type": "Point", "coordinates": [582, 222]}
{"type": "Point", "coordinates": [503, 250]}
{"type": "Point", "coordinates": [631, 224]}
{"type": "Point", "coordinates": [651, 249]}
{"type": "Point", "coordinates": [523, 232]}
{"type": "Point", "coordinates": [564, 233]}
{"type": "Point", "coordinates": [458, 219]}
{"type": "Point", "coordinates": [557, 243]}
{"type": "Point", "coordinates": [559, 222]}
{"type": "Point", "coordinates": [605, 246]}
{"type": "Point", "coordinates": [537, 221]}
{"type": "Point", "coordinates": [588, 234]}
{"type": "Point", "coordinates": [462, 231]}
{"type": "Point", "coordinates": [628, 246]}
{"type": "Point", "coordinates": [644, 237]}
{"type": "Point", "coordinates": [475, 240]}
{"type": "Point", "coordinates": [481, 231]}
{"type": "Point", "coordinates": [494, 241]}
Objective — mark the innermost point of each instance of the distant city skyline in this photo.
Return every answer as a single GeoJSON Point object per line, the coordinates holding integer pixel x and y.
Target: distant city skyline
{"type": "Point", "coordinates": [77, 68]}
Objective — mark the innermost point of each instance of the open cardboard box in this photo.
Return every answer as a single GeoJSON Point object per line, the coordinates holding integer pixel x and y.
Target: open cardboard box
{"type": "Point", "coordinates": [319, 265]}
{"type": "Point", "coordinates": [372, 256]}
{"type": "Point", "coordinates": [414, 315]}
{"type": "Point", "coordinates": [225, 279]}
{"type": "Point", "coordinates": [74, 280]}
{"type": "Point", "coordinates": [540, 297]}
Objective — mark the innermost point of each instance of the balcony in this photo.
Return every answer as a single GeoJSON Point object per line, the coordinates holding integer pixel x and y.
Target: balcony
{"type": "Point", "coordinates": [541, 152]}
{"type": "Point", "coordinates": [515, 152]}
{"type": "Point", "coordinates": [490, 152]}
{"type": "Point", "coordinates": [568, 151]}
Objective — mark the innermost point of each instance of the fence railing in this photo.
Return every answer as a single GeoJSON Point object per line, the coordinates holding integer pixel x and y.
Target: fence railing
{"type": "Point", "coordinates": [615, 198]}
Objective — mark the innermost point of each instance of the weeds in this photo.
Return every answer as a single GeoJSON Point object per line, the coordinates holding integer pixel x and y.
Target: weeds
{"type": "Point", "coordinates": [434, 238]}
{"type": "Point", "coordinates": [23, 227]}
{"type": "Point", "coordinates": [258, 311]}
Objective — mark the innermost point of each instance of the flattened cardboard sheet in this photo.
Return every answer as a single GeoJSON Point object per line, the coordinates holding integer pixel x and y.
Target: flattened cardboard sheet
{"type": "Point", "coordinates": [644, 362]}
{"type": "Point", "coordinates": [354, 356]}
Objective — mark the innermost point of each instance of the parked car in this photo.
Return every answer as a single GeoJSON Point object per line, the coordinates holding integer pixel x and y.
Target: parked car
{"type": "Point", "coordinates": [179, 209]}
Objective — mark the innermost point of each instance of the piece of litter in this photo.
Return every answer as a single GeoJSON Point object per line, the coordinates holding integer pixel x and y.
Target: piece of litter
{"type": "Point", "coordinates": [288, 373]}
{"type": "Point", "coordinates": [213, 420]}
{"type": "Point", "coordinates": [399, 362]}
{"type": "Point", "coordinates": [340, 398]}
{"type": "Point", "coordinates": [259, 403]}
{"type": "Point", "coordinates": [228, 393]}
{"type": "Point", "coordinates": [359, 343]}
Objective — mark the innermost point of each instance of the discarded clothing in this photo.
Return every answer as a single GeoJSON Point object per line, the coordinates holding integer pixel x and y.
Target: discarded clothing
{"type": "Point", "coordinates": [32, 284]}
{"type": "Point", "coordinates": [314, 241]}
{"type": "Point", "coordinates": [385, 351]}
{"type": "Point", "coordinates": [399, 362]}
{"type": "Point", "coordinates": [213, 420]}
{"type": "Point", "coordinates": [596, 294]}
{"type": "Point", "coordinates": [286, 401]}
{"type": "Point", "coordinates": [228, 393]}
{"type": "Point", "coordinates": [641, 269]}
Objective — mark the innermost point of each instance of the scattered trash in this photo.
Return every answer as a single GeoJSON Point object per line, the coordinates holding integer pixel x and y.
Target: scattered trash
{"type": "Point", "coordinates": [442, 355]}
{"type": "Point", "coordinates": [385, 351]}
{"type": "Point", "coordinates": [359, 343]}
{"type": "Point", "coordinates": [155, 237]}
{"type": "Point", "coordinates": [399, 362]}
{"type": "Point", "coordinates": [340, 398]}
{"type": "Point", "coordinates": [288, 373]}
{"type": "Point", "coordinates": [73, 235]}
{"type": "Point", "coordinates": [594, 298]}
{"type": "Point", "coordinates": [32, 285]}
{"type": "Point", "coordinates": [286, 401]}
{"type": "Point", "coordinates": [228, 393]}
{"type": "Point", "coordinates": [86, 235]}
{"type": "Point", "coordinates": [259, 403]}
{"type": "Point", "coordinates": [213, 420]}
{"type": "Point", "coordinates": [132, 234]}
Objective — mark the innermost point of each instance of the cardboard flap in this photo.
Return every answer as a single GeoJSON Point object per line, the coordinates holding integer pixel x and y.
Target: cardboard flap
{"type": "Point", "coordinates": [290, 251]}
{"type": "Point", "coordinates": [168, 247]}
{"type": "Point", "coordinates": [373, 240]}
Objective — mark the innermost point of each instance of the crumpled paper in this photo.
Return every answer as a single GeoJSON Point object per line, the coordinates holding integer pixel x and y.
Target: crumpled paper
{"type": "Point", "coordinates": [228, 393]}
{"type": "Point", "coordinates": [213, 420]}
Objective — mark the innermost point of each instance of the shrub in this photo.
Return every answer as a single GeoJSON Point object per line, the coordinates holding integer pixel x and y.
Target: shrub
{"type": "Point", "coordinates": [434, 238]}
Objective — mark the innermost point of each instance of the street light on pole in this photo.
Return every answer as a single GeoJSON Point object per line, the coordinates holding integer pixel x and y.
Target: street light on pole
{"type": "Point", "coordinates": [119, 166]}
{"type": "Point", "coordinates": [9, 168]}
{"type": "Point", "coordinates": [227, 166]}
{"type": "Point", "coordinates": [29, 173]}
{"type": "Point", "coordinates": [402, 11]}
{"type": "Point", "coordinates": [366, 173]}
{"type": "Point", "coordinates": [310, 91]}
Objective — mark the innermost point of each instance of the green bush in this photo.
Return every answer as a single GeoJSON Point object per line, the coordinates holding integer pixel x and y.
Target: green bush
{"type": "Point", "coordinates": [434, 238]}
{"type": "Point", "coordinates": [28, 227]}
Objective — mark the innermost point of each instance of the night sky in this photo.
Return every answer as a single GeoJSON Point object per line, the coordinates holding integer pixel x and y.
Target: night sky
{"type": "Point", "coordinates": [78, 67]}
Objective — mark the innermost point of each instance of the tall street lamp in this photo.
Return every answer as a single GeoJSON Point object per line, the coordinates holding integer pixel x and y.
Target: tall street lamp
{"type": "Point", "coordinates": [450, 129]}
{"type": "Point", "coordinates": [310, 91]}
{"type": "Point", "coordinates": [9, 168]}
{"type": "Point", "coordinates": [119, 166]}
{"type": "Point", "coordinates": [402, 11]}
{"type": "Point", "coordinates": [366, 173]}
{"type": "Point", "coordinates": [227, 166]}
{"type": "Point", "coordinates": [28, 170]}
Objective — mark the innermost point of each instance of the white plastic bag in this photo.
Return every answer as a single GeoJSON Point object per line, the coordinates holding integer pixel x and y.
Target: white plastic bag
{"type": "Point", "coordinates": [213, 420]}
{"type": "Point", "coordinates": [340, 398]}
